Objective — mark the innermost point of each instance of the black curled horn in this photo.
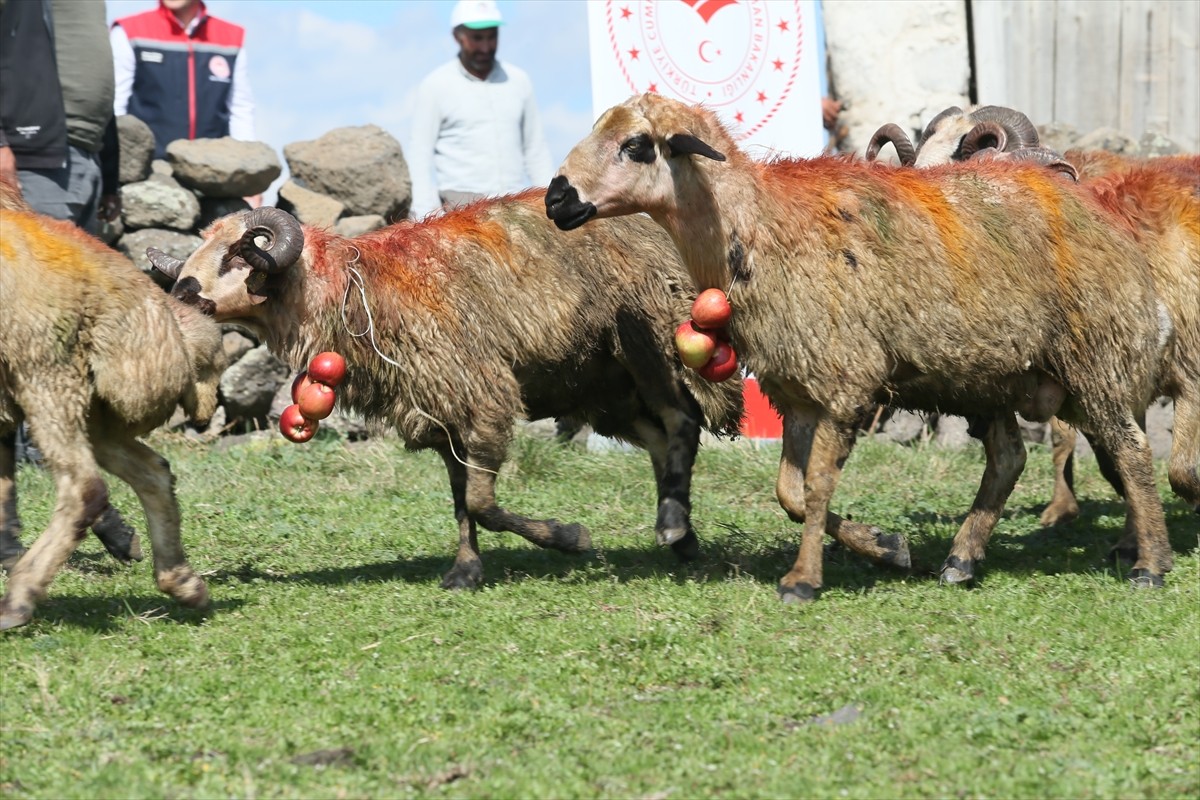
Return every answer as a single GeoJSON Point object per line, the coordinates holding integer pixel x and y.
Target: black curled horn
{"type": "Point", "coordinates": [686, 143]}
{"type": "Point", "coordinates": [1021, 132]}
{"type": "Point", "coordinates": [167, 265]}
{"type": "Point", "coordinates": [285, 239]}
{"type": "Point", "coordinates": [893, 133]}
{"type": "Point", "coordinates": [952, 111]}
{"type": "Point", "coordinates": [1047, 158]}
{"type": "Point", "coordinates": [984, 135]}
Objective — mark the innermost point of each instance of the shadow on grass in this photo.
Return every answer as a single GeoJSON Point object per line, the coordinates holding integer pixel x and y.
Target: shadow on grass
{"type": "Point", "coordinates": [1080, 547]}
{"type": "Point", "coordinates": [109, 613]}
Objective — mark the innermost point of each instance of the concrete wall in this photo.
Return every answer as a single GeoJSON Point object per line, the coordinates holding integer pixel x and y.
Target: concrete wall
{"type": "Point", "coordinates": [895, 61]}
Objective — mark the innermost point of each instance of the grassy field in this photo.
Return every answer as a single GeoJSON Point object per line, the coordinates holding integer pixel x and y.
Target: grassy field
{"type": "Point", "coordinates": [331, 665]}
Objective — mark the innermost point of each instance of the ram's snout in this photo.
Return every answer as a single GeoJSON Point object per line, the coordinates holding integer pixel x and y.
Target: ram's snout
{"type": "Point", "coordinates": [564, 206]}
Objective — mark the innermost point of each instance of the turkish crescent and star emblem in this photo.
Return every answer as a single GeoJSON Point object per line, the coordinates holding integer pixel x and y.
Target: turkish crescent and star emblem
{"type": "Point", "coordinates": [738, 57]}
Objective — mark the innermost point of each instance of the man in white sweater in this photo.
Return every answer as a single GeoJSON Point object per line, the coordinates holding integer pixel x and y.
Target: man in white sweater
{"type": "Point", "coordinates": [476, 130]}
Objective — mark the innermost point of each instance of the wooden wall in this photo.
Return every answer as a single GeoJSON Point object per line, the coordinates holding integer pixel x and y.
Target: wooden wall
{"type": "Point", "coordinates": [1133, 65]}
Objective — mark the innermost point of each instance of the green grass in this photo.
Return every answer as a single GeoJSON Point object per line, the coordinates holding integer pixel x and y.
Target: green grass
{"type": "Point", "coordinates": [616, 674]}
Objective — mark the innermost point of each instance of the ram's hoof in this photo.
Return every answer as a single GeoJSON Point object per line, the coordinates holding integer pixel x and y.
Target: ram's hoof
{"type": "Point", "coordinates": [687, 548]}
{"type": "Point", "coordinates": [1145, 579]}
{"type": "Point", "coordinates": [466, 575]}
{"type": "Point", "coordinates": [120, 540]}
{"type": "Point", "coordinates": [798, 594]}
{"type": "Point", "coordinates": [572, 538]}
{"type": "Point", "coordinates": [957, 571]}
{"type": "Point", "coordinates": [14, 615]}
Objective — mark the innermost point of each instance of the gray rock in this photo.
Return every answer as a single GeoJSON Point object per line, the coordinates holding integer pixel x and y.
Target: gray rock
{"type": "Point", "coordinates": [952, 431]}
{"type": "Point", "coordinates": [155, 203]}
{"type": "Point", "coordinates": [1058, 136]}
{"type": "Point", "coordinates": [213, 208]}
{"type": "Point", "coordinates": [311, 208]}
{"type": "Point", "coordinates": [363, 167]}
{"type": "Point", "coordinates": [357, 226]}
{"type": "Point", "coordinates": [1036, 432]}
{"type": "Point", "coordinates": [237, 345]}
{"type": "Point", "coordinates": [249, 386]}
{"type": "Point", "coordinates": [173, 243]}
{"type": "Point", "coordinates": [902, 427]}
{"type": "Point", "coordinates": [224, 167]}
{"type": "Point", "coordinates": [1110, 139]}
{"type": "Point", "coordinates": [1160, 426]}
{"type": "Point", "coordinates": [136, 144]}
{"type": "Point", "coordinates": [1155, 144]}
{"type": "Point", "coordinates": [160, 167]}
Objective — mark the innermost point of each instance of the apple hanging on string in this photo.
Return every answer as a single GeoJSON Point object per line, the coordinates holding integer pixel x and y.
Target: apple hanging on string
{"type": "Point", "coordinates": [722, 364]}
{"type": "Point", "coordinates": [694, 345]}
{"type": "Point", "coordinates": [295, 427]}
{"type": "Point", "coordinates": [316, 401]}
{"type": "Point", "coordinates": [328, 368]}
{"type": "Point", "coordinates": [711, 310]}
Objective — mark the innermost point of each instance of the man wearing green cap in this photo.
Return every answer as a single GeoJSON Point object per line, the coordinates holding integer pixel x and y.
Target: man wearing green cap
{"type": "Point", "coordinates": [476, 130]}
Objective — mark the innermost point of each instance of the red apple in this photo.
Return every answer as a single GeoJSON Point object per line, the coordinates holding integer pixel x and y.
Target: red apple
{"type": "Point", "coordinates": [316, 401]}
{"type": "Point", "coordinates": [722, 364]}
{"type": "Point", "coordinates": [295, 427]}
{"type": "Point", "coordinates": [301, 383]}
{"type": "Point", "coordinates": [694, 345]}
{"type": "Point", "coordinates": [328, 368]}
{"type": "Point", "coordinates": [711, 310]}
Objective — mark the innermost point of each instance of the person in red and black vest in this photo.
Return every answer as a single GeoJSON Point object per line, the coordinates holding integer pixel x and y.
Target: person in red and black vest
{"type": "Point", "coordinates": [183, 73]}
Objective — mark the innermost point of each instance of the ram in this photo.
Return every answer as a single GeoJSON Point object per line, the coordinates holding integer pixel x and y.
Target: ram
{"type": "Point", "coordinates": [93, 355]}
{"type": "Point", "coordinates": [455, 327]}
{"type": "Point", "coordinates": [977, 289]}
{"type": "Point", "coordinates": [1160, 198]}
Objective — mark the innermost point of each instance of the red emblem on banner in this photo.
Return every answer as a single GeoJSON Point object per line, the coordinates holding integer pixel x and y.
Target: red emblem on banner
{"type": "Point", "coordinates": [739, 57]}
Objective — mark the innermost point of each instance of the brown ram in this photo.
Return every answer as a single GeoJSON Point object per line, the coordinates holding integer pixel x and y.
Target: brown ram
{"type": "Point", "coordinates": [982, 289]}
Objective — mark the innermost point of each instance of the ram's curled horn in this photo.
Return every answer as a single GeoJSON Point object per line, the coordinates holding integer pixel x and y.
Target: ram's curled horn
{"type": "Point", "coordinates": [893, 133]}
{"type": "Point", "coordinates": [984, 135]}
{"type": "Point", "coordinates": [952, 111]}
{"type": "Point", "coordinates": [167, 265]}
{"type": "Point", "coordinates": [1021, 132]}
{"type": "Point", "coordinates": [285, 239]}
{"type": "Point", "coordinates": [1047, 158]}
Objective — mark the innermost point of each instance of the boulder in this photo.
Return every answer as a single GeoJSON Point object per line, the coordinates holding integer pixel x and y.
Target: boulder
{"type": "Point", "coordinates": [136, 143]}
{"type": "Point", "coordinates": [158, 203]}
{"type": "Point", "coordinates": [311, 208]}
{"type": "Point", "coordinates": [173, 243]}
{"type": "Point", "coordinates": [224, 167]}
{"type": "Point", "coordinates": [362, 167]}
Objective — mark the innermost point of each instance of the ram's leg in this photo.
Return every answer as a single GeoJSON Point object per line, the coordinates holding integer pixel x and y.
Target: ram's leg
{"type": "Point", "coordinates": [1130, 450]}
{"type": "Point", "coordinates": [483, 464]}
{"type": "Point", "coordinates": [150, 476]}
{"type": "Point", "coordinates": [1183, 469]}
{"type": "Point", "coordinates": [467, 572]}
{"type": "Point", "coordinates": [10, 523]}
{"type": "Point", "coordinates": [1063, 505]}
{"type": "Point", "coordinates": [119, 539]}
{"type": "Point", "coordinates": [81, 496]}
{"type": "Point", "coordinates": [886, 549]}
{"type": "Point", "coordinates": [831, 445]}
{"type": "Point", "coordinates": [673, 454]}
{"type": "Point", "coordinates": [1005, 451]}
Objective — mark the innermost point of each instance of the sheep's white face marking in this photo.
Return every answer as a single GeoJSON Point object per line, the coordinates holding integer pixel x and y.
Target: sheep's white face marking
{"type": "Point", "coordinates": [220, 283]}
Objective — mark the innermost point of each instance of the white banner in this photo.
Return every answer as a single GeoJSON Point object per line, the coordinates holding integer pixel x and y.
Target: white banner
{"type": "Point", "coordinates": [754, 62]}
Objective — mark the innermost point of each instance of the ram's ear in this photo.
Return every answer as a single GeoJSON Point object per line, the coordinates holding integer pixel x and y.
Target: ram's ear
{"type": "Point", "coordinates": [686, 143]}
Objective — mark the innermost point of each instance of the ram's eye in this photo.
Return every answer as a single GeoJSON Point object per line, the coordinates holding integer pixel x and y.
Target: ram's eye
{"type": "Point", "coordinates": [640, 148]}
{"type": "Point", "coordinates": [256, 280]}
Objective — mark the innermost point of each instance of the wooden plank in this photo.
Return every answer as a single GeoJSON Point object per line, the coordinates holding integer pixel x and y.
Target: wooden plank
{"type": "Point", "coordinates": [1086, 65]}
{"type": "Point", "coordinates": [1014, 55]}
{"type": "Point", "coordinates": [1144, 75]}
{"type": "Point", "coordinates": [1183, 105]}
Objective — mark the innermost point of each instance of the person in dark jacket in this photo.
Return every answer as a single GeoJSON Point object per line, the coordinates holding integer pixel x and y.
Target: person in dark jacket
{"type": "Point", "coordinates": [58, 137]}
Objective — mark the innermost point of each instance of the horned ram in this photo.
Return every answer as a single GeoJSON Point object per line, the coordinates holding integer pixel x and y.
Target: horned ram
{"type": "Point", "coordinates": [455, 327]}
{"type": "Point", "coordinates": [978, 289]}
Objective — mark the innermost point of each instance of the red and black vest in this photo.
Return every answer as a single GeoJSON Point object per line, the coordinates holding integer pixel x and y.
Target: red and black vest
{"type": "Point", "coordinates": [182, 85]}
